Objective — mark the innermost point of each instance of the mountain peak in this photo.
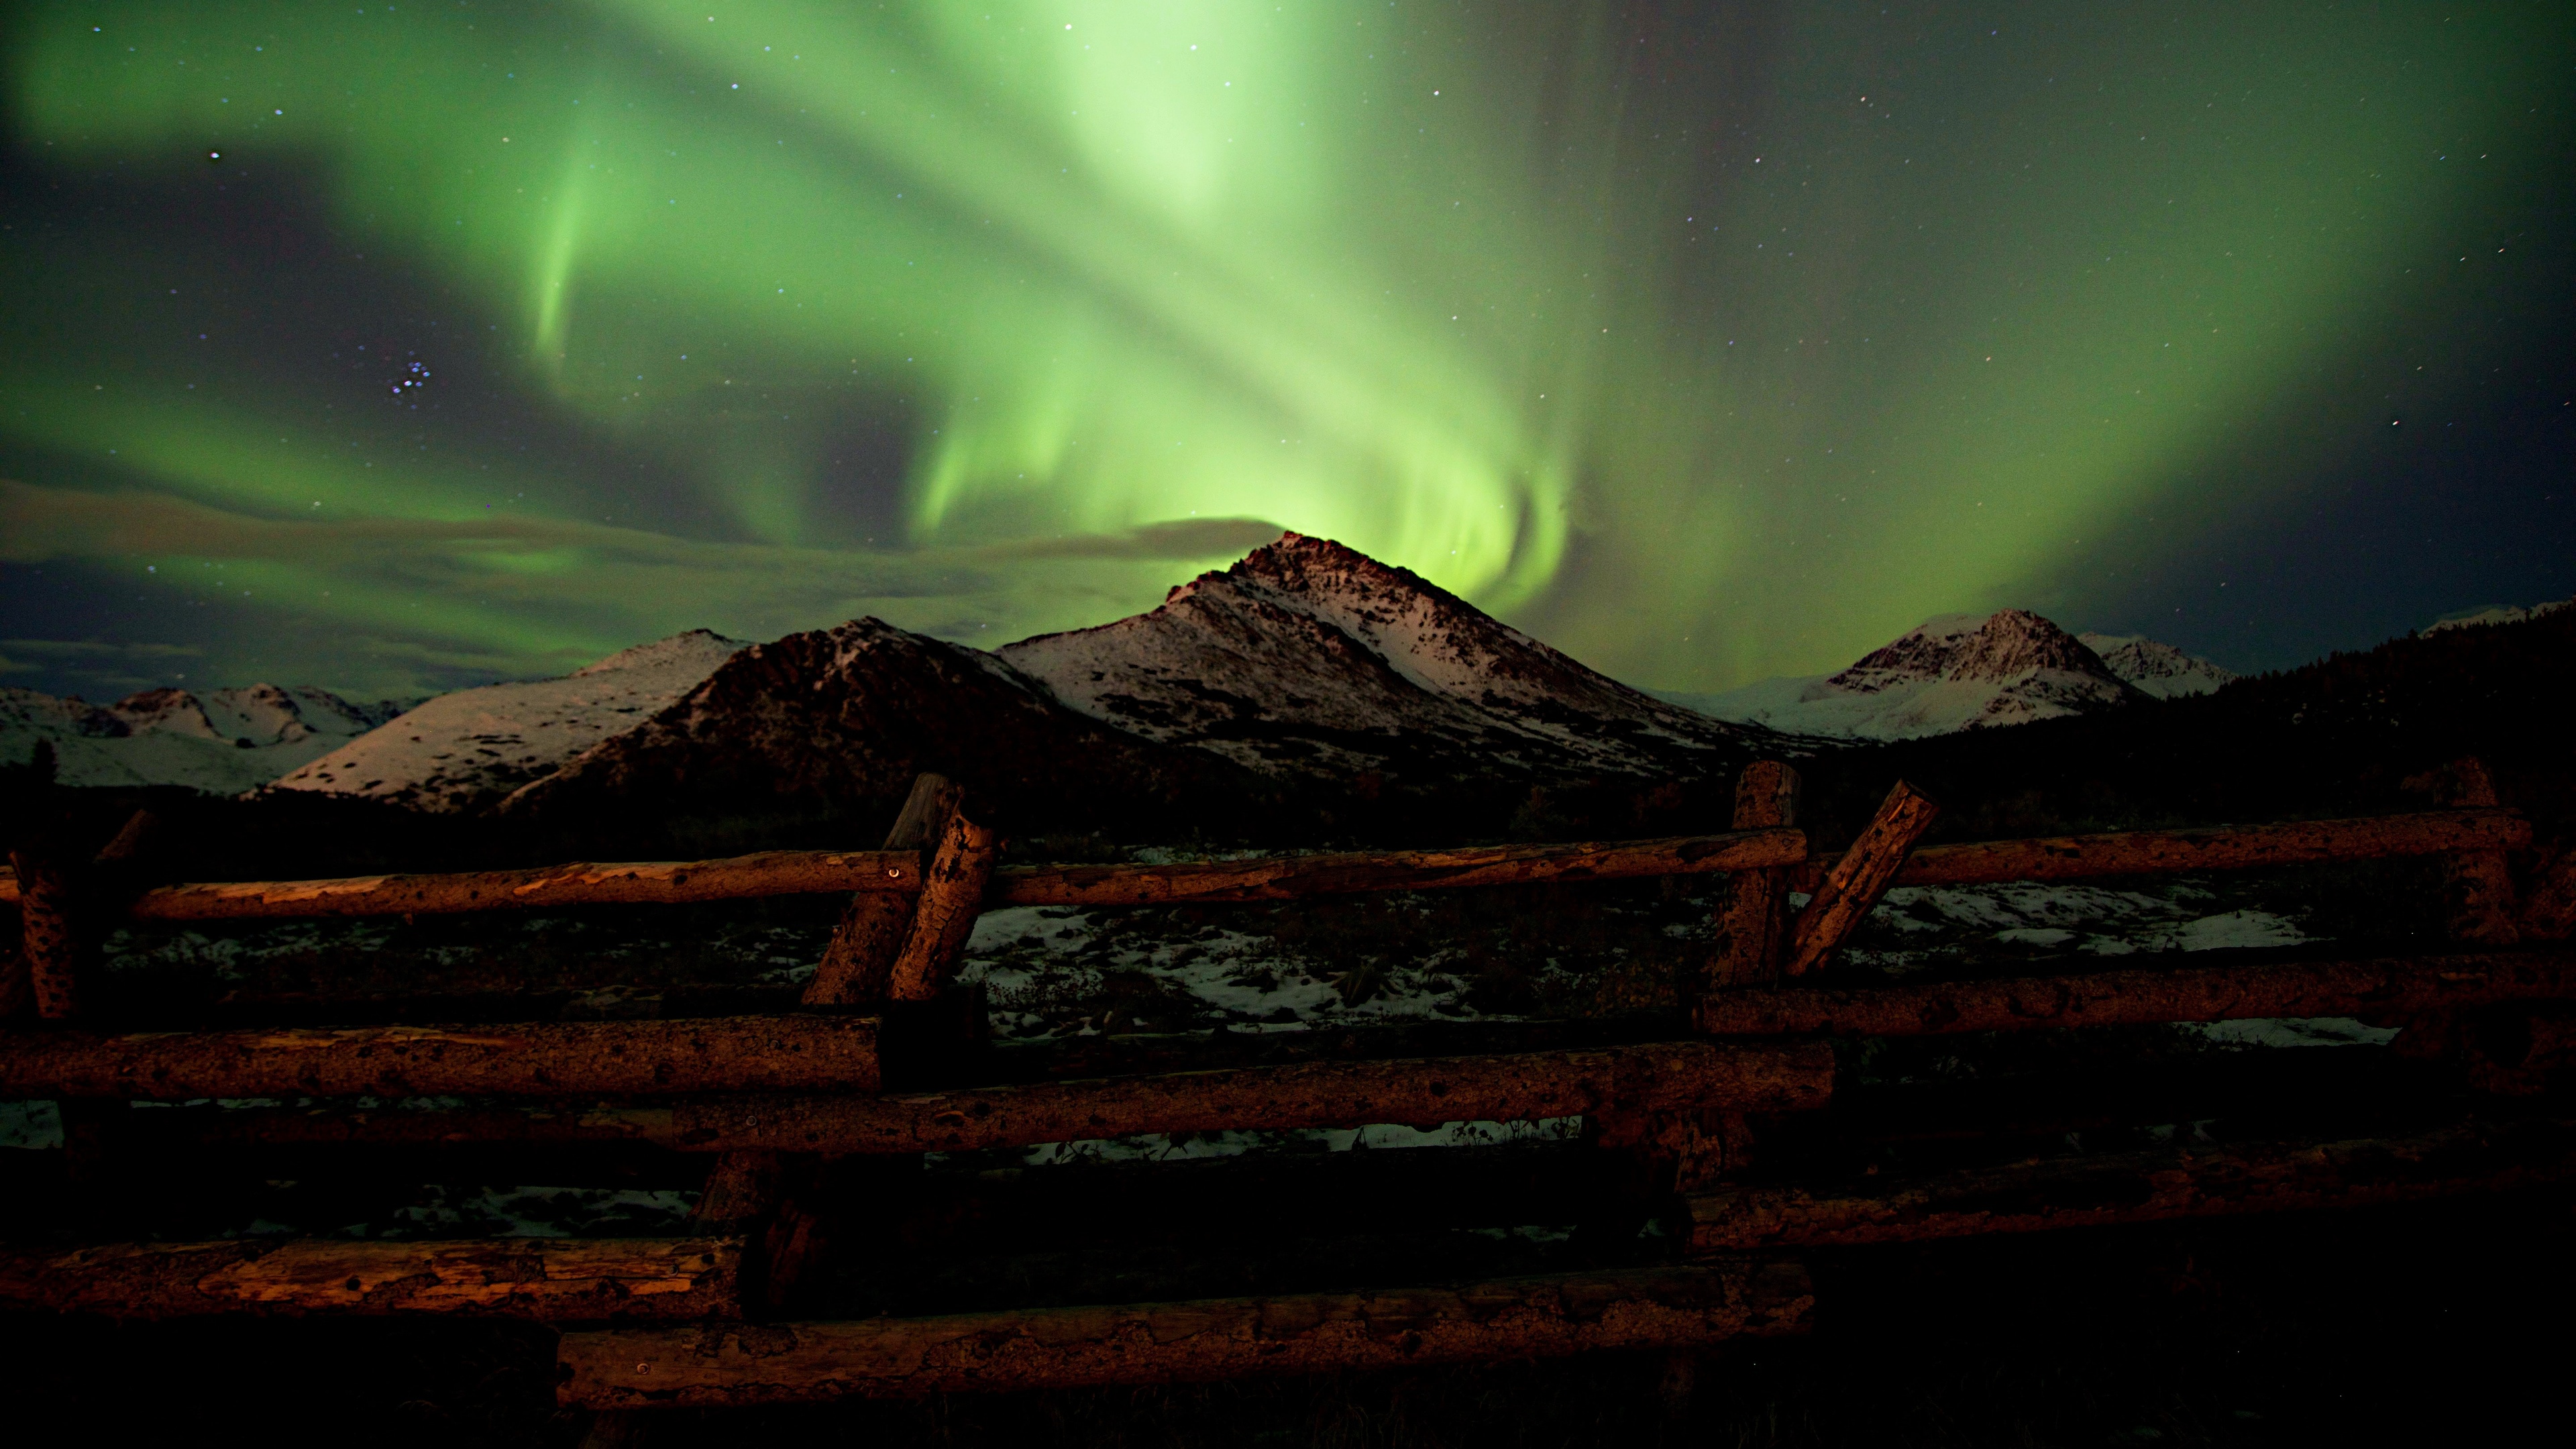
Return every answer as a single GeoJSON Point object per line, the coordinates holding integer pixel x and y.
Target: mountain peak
{"type": "Point", "coordinates": [1952, 672]}
{"type": "Point", "coordinates": [2158, 669]}
{"type": "Point", "coordinates": [2004, 645]}
{"type": "Point", "coordinates": [1308, 655]}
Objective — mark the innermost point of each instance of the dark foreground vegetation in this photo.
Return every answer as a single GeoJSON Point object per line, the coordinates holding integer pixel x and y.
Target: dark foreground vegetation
{"type": "Point", "coordinates": [2432, 1324]}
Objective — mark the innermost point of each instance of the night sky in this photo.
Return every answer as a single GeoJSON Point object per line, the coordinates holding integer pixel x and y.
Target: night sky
{"type": "Point", "coordinates": [393, 348]}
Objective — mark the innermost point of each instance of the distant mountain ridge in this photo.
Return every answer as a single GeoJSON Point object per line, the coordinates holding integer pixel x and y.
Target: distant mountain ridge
{"type": "Point", "coordinates": [1966, 672]}
{"type": "Point", "coordinates": [470, 749]}
{"type": "Point", "coordinates": [2497, 614]}
{"type": "Point", "coordinates": [2158, 669]}
{"type": "Point", "coordinates": [223, 741]}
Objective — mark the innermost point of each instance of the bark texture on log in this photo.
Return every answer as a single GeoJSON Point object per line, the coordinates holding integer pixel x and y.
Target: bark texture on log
{"type": "Point", "coordinates": [48, 934]}
{"type": "Point", "coordinates": [606, 1058]}
{"type": "Point", "coordinates": [2216, 847]}
{"type": "Point", "coordinates": [1287, 877]}
{"type": "Point", "coordinates": [2549, 913]}
{"type": "Point", "coordinates": [952, 895]}
{"type": "Point", "coordinates": [794, 872]}
{"type": "Point", "coordinates": [555, 1279]}
{"type": "Point", "coordinates": [2387, 989]}
{"type": "Point", "coordinates": [1664, 1077]}
{"type": "Point", "coordinates": [662, 882]}
{"type": "Point", "coordinates": [860, 959]}
{"type": "Point", "coordinates": [1855, 881]}
{"type": "Point", "coordinates": [17, 988]}
{"type": "Point", "coordinates": [2142, 1187]}
{"type": "Point", "coordinates": [1756, 915]}
{"type": "Point", "coordinates": [2477, 886]}
{"type": "Point", "coordinates": [1644, 1308]}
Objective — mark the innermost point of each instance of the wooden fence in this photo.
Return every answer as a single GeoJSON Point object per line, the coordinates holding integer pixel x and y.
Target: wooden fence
{"type": "Point", "coordinates": [1700, 1132]}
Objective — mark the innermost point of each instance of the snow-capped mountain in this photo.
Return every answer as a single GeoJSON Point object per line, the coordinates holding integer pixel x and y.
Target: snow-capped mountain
{"type": "Point", "coordinates": [838, 721]}
{"type": "Point", "coordinates": [224, 741]}
{"type": "Point", "coordinates": [1956, 672]}
{"type": "Point", "coordinates": [1308, 657]}
{"type": "Point", "coordinates": [2157, 669]}
{"type": "Point", "coordinates": [466, 750]}
{"type": "Point", "coordinates": [2496, 614]}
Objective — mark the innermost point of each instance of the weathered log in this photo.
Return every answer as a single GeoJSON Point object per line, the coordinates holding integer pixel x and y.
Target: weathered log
{"type": "Point", "coordinates": [1662, 1077]}
{"type": "Point", "coordinates": [2225, 847]}
{"type": "Point", "coordinates": [1668, 1076]}
{"type": "Point", "coordinates": [2216, 847]}
{"type": "Point", "coordinates": [1287, 877]}
{"type": "Point", "coordinates": [2477, 887]}
{"type": "Point", "coordinates": [1755, 917]}
{"type": "Point", "coordinates": [669, 882]}
{"type": "Point", "coordinates": [573, 1058]}
{"type": "Point", "coordinates": [17, 986]}
{"type": "Point", "coordinates": [952, 895]}
{"type": "Point", "coordinates": [2141, 1187]}
{"type": "Point", "coordinates": [1644, 1308]}
{"type": "Point", "coordinates": [861, 955]}
{"type": "Point", "coordinates": [794, 872]}
{"type": "Point", "coordinates": [2387, 989]}
{"type": "Point", "coordinates": [555, 1279]}
{"type": "Point", "coordinates": [1855, 881]}
{"type": "Point", "coordinates": [47, 933]}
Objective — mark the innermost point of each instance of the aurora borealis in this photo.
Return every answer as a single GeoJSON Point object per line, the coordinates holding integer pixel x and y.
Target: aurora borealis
{"type": "Point", "coordinates": [390, 348]}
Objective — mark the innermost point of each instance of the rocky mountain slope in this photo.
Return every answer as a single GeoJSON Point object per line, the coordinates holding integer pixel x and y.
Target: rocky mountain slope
{"type": "Point", "coordinates": [469, 749]}
{"type": "Point", "coordinates": [836, 722]}
{"type": "Point", "coordinates": [1956, 672]}
{"type": "Point", "coordinates": [1308, 658]}
{"type": "Point", "coordinates": [2157, 669]}
{"type": "Point", "coordinates": [224, 741]}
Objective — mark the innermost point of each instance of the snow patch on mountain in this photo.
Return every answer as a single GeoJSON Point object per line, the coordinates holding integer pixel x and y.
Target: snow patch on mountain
{"type": "Point", "coordinates": [2157, 669]}
{"type": "Point", "coordinates": [1956, 672]}
{"type": "Point", "coordinates": [1308, 656]}
{"type": "Point", "coordinates": [2495, 614]}
{"type": "Point", "coordinates": [464, 750]}
{"type": "Point", "coordinates": [224, 741]}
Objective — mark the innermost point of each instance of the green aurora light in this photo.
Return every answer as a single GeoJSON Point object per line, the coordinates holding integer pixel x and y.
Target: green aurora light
{"type": "Point", "coordinates": [1708, 355]}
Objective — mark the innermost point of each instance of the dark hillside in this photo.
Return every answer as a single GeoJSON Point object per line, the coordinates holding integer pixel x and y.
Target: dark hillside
{"type": "Point", "coordinates": [2342, 736]}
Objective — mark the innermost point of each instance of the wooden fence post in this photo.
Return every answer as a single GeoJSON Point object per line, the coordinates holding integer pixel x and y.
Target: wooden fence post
{"type": "Point", "coordinates": [1843, 899]}
{"type": "Point", "coordinates": [2477, 889]}
{"type": "Point", "coordinates": [17, 992]}
{"type": "Point", "coordinates": [1751, 923]}
{"type": "Point", "coordinates": [47, 930]}
{"type": "Point", "coordinates": [861, 956]}
{"type": "Point", "coordinates": [952, 895]}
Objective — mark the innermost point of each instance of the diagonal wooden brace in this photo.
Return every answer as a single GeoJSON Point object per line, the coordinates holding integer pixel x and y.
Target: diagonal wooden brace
{"type": "Point", "coordinates": [1843, 899]}
{"type": "Point", "coordinates": [860, 959]}
{"type": "Point", "coordinates": [952, 895]}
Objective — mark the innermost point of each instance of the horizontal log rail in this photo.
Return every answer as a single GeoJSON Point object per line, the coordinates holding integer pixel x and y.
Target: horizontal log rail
{"type": "Point", "coordinates": [1417, 1092]}
{"type": "Point", "coordinates": [1519, 1318]}
{"type": "Point", "coordinates": [1287, 877]}
{"type": "Point", "coordinates": [798, 1053]}
{"type": "Point", "coordinates": [2141, 1187]}
{"type": "Point", "coordinates": [554, 1279]}
{"type": "Point", "coordinates": [2389, 989]}
{"type": "Point", "coordinates": [2215, 847]}
{"type": "Point", "coordinates": [794, 872]}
